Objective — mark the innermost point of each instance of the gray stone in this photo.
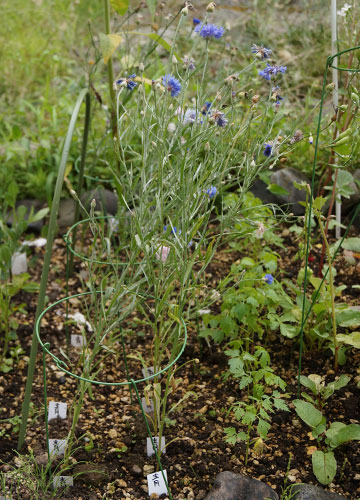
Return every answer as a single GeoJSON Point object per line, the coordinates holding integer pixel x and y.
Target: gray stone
{"type": "Point", "coordinates": [310, 492]}
{"type": "Point", "coordinates": [285, 178]}
{"type": "Point", "coordinates": [30, 205]}
{"type": "Point", "coordinates": [260, 190]}
{"type": "Point", "coordinates": [231, 486]}
{"type": "Point", "coordinates": [106, 201]}
{"type": "Point", "coordinates": [66, 213]}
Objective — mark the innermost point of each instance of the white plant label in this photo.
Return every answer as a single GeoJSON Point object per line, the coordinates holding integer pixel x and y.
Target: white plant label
{"type": "Point", "coordinates": [18, 263]}
{"type": "Point", "coordinates": [39, 242]}
{"type": "Point", "coordinates": [148, 408]}
{"type": "Point", "coordinates": [147, 372]}
{"type": "Point", "coordinates": [149, 446]}
{"type": "Point", "coordinates": [57, 410]}
{"type": "Point", "coordinates": [156, 483]}
{"type": "Point", "coordinates": [62, 481]}
{"type": "Point", "coordinates": [77, 340]}
{"type": "Point", "coordinates": [57, 447]}
{"type": "Point", "coordinates": [80, 319]}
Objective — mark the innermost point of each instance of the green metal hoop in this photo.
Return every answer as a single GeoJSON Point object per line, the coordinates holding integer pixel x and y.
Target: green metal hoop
{"type": "Point", "coordinates": [63, 366]}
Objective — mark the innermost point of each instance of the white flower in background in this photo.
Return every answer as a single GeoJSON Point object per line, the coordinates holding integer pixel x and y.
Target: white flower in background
{"type": "Point", "coordinates": [342, 12]}
{"type": "Point", "coordinates": [260, 230]}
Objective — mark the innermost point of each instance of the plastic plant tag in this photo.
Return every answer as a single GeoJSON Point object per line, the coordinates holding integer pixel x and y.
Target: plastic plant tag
{"type": "Point", "coordinates": [39, 242]}
{"type": "Point", "coordinates": [156, 483]}
{"type": "Point", "coordinates": [148, 408]}
{"type": "Point", "coordinates": [62, 481]}
{"type": "Point", "coordinates": [57, 410]}
{"type": "Point", "coordinates": [77, 340]}
{"type": "Point", "coordinates": [147, 372]}
{"type": "Point", "coordinates": [57, 447]}
{"type": "Point", "coordinates": [80, 319]}
{"type": "Point", "coordinates": [149, 446]}
{"type": "Point", "coordinates": [18, 263]}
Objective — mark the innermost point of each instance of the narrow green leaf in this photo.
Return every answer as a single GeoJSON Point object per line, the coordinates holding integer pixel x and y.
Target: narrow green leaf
{"type": "Point", "coordinates": [276, 189]}
{"type": "Point", "coordinates": [152, 8]}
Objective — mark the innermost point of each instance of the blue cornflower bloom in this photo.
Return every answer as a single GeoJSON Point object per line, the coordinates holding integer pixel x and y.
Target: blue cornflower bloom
{"type": "Point", "coordinates": [172, 85]}
{"type": "Point", "coordinates": [269, 279]}
{"type": "Point", "coordinates": [127, 82]}
{"type": "Point", "coordinates": [209, 31]}
{"type": "Point", "coordinates": [190, 116]}
{"type": "Point", "coordinates": [196, 21]}
{"type": "Point", "coordinates": [261, 52]}
{"type": "Point", "coordinates": [173, 230]}
{"type": "Point", "coordinates": [211, 192]}
{"type": "Point", "coordinates": [268, 149]}
{"type": "Point", "coordinates": [219, 118]}
{"type": "Point", "coordinates": [205, 109]}
{"type": "Point", "coordinates": [270, 71]}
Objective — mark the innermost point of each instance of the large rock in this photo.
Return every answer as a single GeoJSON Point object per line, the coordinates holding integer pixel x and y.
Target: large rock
{"type": "Point", "coordinates": [285, 178]}
{"type": "Point", "coordinates": [106, 201]}
{"type": "Point", "coordinates": [231, 486]}
{"type": "Point", "coordinates": [310, 492]}
{"type": "Point", "coordinates": [260, 190]}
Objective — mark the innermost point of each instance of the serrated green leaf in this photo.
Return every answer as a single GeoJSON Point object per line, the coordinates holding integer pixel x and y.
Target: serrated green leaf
{"type": "Point", "coordinates": [288, 330]}
{"type": "Point", "coordinates": [120, 6]}
{"type": "Point", "coordinates": [324, 466]}
{"type": "Point", "coordinates": [263, 428]}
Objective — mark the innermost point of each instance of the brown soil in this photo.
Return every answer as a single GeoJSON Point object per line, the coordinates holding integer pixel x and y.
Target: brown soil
{"type": "Point", "coordinates": [196, 452]}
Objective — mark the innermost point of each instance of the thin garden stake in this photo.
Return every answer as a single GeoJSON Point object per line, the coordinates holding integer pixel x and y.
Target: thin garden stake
{"type": "Point", "coordinates": [329, 64]}
{"type": "Point", "coordinates": [81, 175]}
{"type": "Point", "coordinates": [46, 265]}
{"type": "Point", "coordinates": [335, 96]}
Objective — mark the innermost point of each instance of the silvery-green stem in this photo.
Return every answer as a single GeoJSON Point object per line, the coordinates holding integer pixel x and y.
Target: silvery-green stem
{"type": "Point", "coordinates": [335, 103]}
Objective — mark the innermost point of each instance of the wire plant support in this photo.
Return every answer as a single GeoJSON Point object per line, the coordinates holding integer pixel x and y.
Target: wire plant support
{"type": "Point", "coordinates": [331, 62]}
{"type": "Point", "coordinates": [130, 382]}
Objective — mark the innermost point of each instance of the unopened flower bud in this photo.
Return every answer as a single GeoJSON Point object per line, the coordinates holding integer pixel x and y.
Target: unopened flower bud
{"type": "Point", "coordinates": [355, 98]}
{"type": "Point", "coordinates": [211, 7]}
{"type": "Point", "coordinates": [311, 139]}
{"type": "Point", "coordinates": [185, 11]}
{"type": "Point", "coordinates": [207, 146]}
{"type": "Point", "coordinates": [255, 99]}
{"type": "Point", "coordinates": [174, 60]}
{"type": "Point", "coordinates": [154, 144]}
{"type": "Point", "coordinates": [330, 87]}
{"type": "Point", "coordinates": [252, 164]}
{"type": "Point", "coordinates": [241, 95]}
{"type": "Point", "coordinates": [93, 203]}
{"type": "Point", "coordinates": [141, 67]}
{"type": "Point", "coordinates": [218, 97]}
